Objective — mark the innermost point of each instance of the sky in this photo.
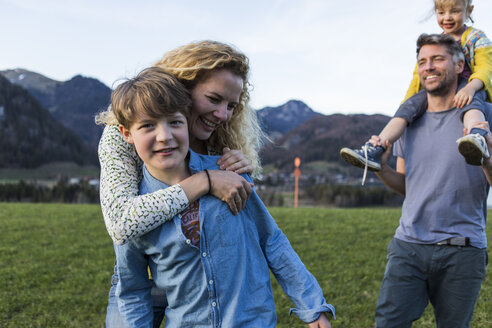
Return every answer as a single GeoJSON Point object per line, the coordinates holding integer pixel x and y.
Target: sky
{"type": "Point", "coordinates": [350, 56]}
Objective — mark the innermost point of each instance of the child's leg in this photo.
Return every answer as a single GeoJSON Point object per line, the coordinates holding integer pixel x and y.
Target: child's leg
{"type": "Point", "coordinates": [392, 131]}
{"type": "Point", "coordinates": [471, 117]}
{"type": "Point", "coordinates": [473, 145]}
{"type": "Point", "coordinates": [369, 155]}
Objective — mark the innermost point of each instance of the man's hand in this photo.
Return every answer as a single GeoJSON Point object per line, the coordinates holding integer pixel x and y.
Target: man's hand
{"type": "Point", "coordinates": [322, 322]}
{"type": "Point", "coordinates": [488, 138]}
{"type": "Point", "coordinates": [376, 141]}
{"type": "Point", "coordinates": [487, 162]}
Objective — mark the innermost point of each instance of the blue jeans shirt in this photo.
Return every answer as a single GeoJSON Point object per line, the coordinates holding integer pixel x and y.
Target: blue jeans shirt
{"type": "Point", "coordinates": [225, 282]}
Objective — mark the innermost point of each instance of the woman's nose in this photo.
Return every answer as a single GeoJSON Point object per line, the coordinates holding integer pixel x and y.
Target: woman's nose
{"type": "Point", "coordinates": [221, 112]}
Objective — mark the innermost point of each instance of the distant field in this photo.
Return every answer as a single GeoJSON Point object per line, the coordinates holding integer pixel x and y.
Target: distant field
{"type": "Point", "coordinates": [49, 172]}
{"type": "Point", "coordinates": [57, 260]}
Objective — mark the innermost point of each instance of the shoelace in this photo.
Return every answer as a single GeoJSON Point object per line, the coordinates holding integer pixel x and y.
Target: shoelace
{"type": "Point", "coordinates": [483, 144]}
{"type": "Point", "coordinates": [481, 141]}
{"type": "Point", "coordinates": [365, 166]}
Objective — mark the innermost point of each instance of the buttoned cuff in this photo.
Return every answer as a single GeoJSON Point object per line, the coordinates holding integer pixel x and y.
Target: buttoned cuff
{"type": "Point", "coordinates": [311, 315]}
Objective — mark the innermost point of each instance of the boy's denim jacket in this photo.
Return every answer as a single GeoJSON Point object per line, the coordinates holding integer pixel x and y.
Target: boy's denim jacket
{"type": "Point", "coordinates": [225, 283]}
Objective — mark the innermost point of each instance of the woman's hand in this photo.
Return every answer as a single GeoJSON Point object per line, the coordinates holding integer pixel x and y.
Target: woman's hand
{"type": "Point", "coordinates": [231, 188]}
{"type": "Point", "coordinates": [235, 161]}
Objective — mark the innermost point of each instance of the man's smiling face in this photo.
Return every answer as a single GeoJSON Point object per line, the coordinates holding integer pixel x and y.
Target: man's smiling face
{"type": "Point", "coordinates": [437, 69]}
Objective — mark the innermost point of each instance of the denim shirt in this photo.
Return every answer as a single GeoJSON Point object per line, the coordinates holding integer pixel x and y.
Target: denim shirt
{"type": "Point", "coordinates": [225, 282]}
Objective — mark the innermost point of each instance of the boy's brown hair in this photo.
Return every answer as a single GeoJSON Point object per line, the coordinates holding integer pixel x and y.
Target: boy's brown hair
{"type": "Point", "coordinates": [153, 92]}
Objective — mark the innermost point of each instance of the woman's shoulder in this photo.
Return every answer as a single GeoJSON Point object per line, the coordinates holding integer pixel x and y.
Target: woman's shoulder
{"type": "Point", "coordinates": [112, 135]}
{"type": "Point", "coordinates": [112, 141]}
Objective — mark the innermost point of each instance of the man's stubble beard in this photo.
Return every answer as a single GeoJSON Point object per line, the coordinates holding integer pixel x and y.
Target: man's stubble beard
{"type": "Point", "coordinates": [443, 88]}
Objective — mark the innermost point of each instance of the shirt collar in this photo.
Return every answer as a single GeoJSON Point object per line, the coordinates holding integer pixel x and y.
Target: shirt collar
{"type": "Point", "coordinates": [195, 165]}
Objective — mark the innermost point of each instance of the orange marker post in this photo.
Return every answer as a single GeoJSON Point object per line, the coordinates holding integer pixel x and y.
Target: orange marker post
{"type": "Point", "coordinates": [297, 174]}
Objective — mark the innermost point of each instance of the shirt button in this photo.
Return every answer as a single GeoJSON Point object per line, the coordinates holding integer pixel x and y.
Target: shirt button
{"type": "Point", "coordinates": [210, 282]}
{"type": "Point", "coordinates": [204, 254]}
{"type": "Point", "coordinates": [214, 304]}
{"type": "Point", "coordinates": [188, 241]}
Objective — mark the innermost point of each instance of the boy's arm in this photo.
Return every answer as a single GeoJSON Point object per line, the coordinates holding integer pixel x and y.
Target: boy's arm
{"type": "Point", "coordinates": [296, 281]}
{"type": "Point", "coordinates": [133, 291]}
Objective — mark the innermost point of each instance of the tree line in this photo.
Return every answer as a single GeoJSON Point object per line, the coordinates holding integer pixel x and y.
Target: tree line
{"type": "Point", "coordinates": [61, 192]}
{"type": "Point", "coordinates": [321, 194]}
{"type": "Point", "coordinates": [353, 196]}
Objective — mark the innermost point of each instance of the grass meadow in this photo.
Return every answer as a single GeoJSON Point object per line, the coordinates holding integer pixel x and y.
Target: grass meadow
{"type": "Point", "coordinates": [56, 262]}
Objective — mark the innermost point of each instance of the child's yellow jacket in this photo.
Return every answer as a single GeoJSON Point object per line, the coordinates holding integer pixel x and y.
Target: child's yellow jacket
{"type": "Point", "coordinates": [478, 55]}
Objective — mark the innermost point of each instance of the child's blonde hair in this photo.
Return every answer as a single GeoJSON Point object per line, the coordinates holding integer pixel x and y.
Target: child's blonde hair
{"type": "Point", "coordinates": [154, 93]}
{"type": "Point", "coordinates": [440, 4]}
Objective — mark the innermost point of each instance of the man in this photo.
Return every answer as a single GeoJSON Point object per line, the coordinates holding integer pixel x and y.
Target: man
{"type": "Point", "coordinates": [438, 253]}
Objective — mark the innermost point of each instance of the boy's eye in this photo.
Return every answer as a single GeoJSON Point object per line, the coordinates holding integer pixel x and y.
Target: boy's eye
{"type": "Point", "coordinates": [176, 122]}
{"type": "Point", "coordinates": [231, 106]}
{"type": "Point", "coordinates": [146, 125]}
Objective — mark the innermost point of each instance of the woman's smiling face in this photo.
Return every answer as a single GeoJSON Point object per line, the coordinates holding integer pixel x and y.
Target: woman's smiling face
{"type": "Point", "coordinates": [214, 100]}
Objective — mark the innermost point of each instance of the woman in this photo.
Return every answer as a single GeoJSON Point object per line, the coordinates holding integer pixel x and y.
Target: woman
{"type": "Point", "coordinates": [216, 75]}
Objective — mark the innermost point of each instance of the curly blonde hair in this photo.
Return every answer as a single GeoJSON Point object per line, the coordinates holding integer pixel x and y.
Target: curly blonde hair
{"type": "Point", "coordinates": [191, 64]}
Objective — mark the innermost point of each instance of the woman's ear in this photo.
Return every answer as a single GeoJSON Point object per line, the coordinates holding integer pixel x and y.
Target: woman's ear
{"type": "Point", "coordinates": [126, 134]}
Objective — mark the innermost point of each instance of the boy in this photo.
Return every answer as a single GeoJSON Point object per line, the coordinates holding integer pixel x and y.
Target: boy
{"type": "Point", "coordinates": [213, 266]}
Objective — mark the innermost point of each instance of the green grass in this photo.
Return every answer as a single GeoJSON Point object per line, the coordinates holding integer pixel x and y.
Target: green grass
{"type": "Point", "coordinates": [57, 262]}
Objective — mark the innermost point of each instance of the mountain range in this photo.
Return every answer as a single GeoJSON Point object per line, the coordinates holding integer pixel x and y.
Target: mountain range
{"type": "Point", "coordinates": [60, 115]}
{"type": "Point", "coordinates": [30, 137]}
{"type": "Point", "coordinates": [73, 103]}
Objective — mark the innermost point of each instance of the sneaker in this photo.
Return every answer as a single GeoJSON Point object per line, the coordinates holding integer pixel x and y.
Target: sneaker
{"type": "Point", "coordinates": [474, 147]}
{"type": "Point", "coordinates": [368, 156]}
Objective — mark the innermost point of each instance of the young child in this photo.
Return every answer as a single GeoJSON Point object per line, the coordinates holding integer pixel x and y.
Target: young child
{"type": "Point", "coordinates": [212, 265]}
{"type": "Point", "coordinates": [451, 17]}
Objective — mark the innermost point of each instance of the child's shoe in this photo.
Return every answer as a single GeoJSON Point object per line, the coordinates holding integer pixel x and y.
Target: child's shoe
{"type": "Point", "coordinates": [368, 156]}
{"type": "Point", "coordinates": [473, 146]}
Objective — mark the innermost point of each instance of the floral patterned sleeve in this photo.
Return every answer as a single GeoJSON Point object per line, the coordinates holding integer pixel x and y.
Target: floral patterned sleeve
{"type": "Point", "coordinates": [126, 214]}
